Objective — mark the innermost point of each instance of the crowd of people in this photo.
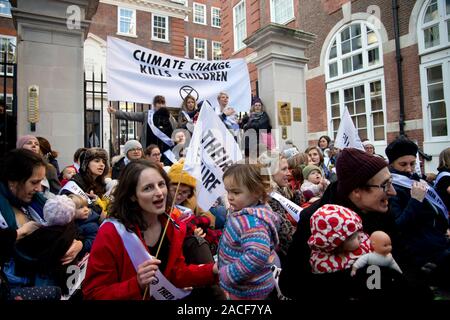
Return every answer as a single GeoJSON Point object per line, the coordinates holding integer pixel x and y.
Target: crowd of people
{"type": "Point", "coordinates": [136, 221]}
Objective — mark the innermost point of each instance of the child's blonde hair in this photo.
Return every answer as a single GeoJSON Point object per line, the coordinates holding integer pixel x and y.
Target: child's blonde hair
{"type": "Point", "coordinates": [444, 159]}
{"type": "Point", "coordinates": [251, 176]}
{"type": "Point", "coordinates": [79, 201]}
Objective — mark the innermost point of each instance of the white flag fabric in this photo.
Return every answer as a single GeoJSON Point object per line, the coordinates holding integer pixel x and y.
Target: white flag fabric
{"type": "Point", "coordinates": [212, 149]}
{"type": "Point", "coordinates": [347, 135]}
{"type": "Point", "coordinates": [137, 74]}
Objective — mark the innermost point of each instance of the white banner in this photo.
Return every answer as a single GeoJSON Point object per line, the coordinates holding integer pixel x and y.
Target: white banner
{"type": "Point", "coordinates": [137, 74]}
{"type": "Point", "coordinates": [212, 149]}
{"type": "Point", "coordinates": [347, 135]}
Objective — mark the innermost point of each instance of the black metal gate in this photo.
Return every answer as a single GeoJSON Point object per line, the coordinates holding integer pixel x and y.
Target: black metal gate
{"type": "Point", "coordinates": [8, 101]}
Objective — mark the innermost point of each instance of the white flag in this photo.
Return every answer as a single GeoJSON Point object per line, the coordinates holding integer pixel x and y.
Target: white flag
{"type": "Point", "coordinates": [212, 149]}
{"type": "Point", "coordinates": [347, 135]}
{"type": "Point", "coordinates": [137, 74]}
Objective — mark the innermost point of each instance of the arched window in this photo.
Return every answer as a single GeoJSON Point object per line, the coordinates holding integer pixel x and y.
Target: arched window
{"type": "Point", "coordinates": [434, 40]}
{"type": "Point", "coordinates": [355, 79]}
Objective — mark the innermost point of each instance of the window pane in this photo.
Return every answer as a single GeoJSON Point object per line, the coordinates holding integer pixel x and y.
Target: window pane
{"type": "Point", "coordinates": [362, 134]}
{"type": "Point", "coordinates": [346, 47]}
{"type": "Point", "coordinates": [362, 122]}
{"type": "Point", "coordinates": [378, 133]}
{"type": "Point", "coordinates": [448, 6]}
{"type": "Point", "coordinates": [345, 34]}
{"type": "Point", "coordinates": [347, 65]}
{"type": "Point", "coordinates": [359, 92]}
{"type": "Point", "coordinates": [356, 43]}
{"type": "Point", "coordinates": [434, 74]}
{"type": "Point", "coordinates": [360, 106]}
{"type": "Point", "coordinates": [448, 30]}
{"type": "Point", "coordinates": [336, 123]}
{"type": "Point", "coordinates": [5, 7]}
{"type": "Point", "coordinates": [375, 88]}
{"type": "Point", "coordinates": [348, 94]}
{"type": "Point", "coordinates": [351, 107]}
{"type": "Point", "coordinates": [335, 111]}
{"type": "Point", "coordinates": [436, 92]}
{"type": "Point", "coordinates": [334, 97]}
{"type": "Point", "coordinates": [439, 128]}
{"type": "Point", "coordinates": [374, 57]}
{"type": "Point", "coordinates": [357, 62]}
{"type": "Point", "coordinates": [376, 103]}
{"type": "Point", "coordinates": [356, 30]}
{"type": "Point", "coordinates": [378, 119]}
{"type": "Point", "coordinates": [431, 36]}
{"type": "Point", "coordinates": [283, 10]}
{"type": "Point", "coordinates": [438, 110]}
{"type": "Point", "coordinates": [333, 70]}
{"type": "Point", "coordinates": [371, 37]}
{"type": "Point", "coordinates": [432, 11]}
{"type": "Point", "coordinates": [333, 51]}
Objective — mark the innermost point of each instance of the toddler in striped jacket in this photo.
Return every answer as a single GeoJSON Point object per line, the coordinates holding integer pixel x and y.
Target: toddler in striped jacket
{"type": "Point", "coordinates": [247, 246]}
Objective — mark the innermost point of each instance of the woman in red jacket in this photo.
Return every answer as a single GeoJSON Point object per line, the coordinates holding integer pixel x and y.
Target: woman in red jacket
{"type": "Point", "coordinates": [141, 203]}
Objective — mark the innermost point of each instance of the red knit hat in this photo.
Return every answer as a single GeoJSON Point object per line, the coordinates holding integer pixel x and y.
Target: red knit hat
{"type": "Point", "coordinates": [330, 226]}
{"type": "Point", "coordinates": [354, 168]}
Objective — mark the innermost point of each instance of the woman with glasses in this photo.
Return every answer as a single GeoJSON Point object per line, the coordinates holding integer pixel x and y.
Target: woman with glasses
{"type": "Point", "coordinates": [420, 216]}
{"type": "Point", "coordinates": [132, 151]}
{"type": "Point", "coordinates": [364, 186]}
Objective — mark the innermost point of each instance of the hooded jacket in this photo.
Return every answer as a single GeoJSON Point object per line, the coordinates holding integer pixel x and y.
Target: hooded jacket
{"type": "Point", "coordinates": [247, 251]}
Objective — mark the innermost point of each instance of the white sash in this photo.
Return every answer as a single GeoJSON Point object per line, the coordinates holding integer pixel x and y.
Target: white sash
{"type": "Point", "coordinates": [74, 188]}
{"type": "Point", "coordinates": [440, 175]}
{"type": "Point", "coordinates": [80, 275]}
{"type": "Point", "coordinates": [186, 115]}
{"type": "Point", "coordinates": [186, 213]}
{"type": "Point", "coordinates": [169, 155]}
{"type": "Point", "coordinates": [431, 195]}
{"type": "Point", "coordinates": [161, 289]}
{"type": "Point", "coordinates": [161, 135]}
{"type": "Point", "coordinates": [3, 224]}
{"type": "Point", "coordinates": [293, 209]}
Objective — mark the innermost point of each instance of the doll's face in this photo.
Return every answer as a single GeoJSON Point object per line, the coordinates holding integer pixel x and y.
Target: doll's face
{"type": "Point", "coordinates": [381, 243]}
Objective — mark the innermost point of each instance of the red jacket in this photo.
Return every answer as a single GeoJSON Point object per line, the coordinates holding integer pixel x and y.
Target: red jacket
{"type": "Point", "coordinates": [111, 275]}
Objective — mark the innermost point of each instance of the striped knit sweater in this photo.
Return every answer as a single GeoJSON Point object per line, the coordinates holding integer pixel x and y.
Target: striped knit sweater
{"type": "Point", "coordinates": [246, 251]}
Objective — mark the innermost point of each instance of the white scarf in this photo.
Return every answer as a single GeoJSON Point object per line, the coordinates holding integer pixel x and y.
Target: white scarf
{"type": "Point", "coordinates": [293, 209]}
{"type": "Point", "coordinates": [161, 135]}
{"type": "Point", "coordinates": [431, 195]}
{"type": "Point", "coordinates": [161, 289]}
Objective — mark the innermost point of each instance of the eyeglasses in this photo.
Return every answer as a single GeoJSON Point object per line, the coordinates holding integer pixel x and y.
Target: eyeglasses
{"type": "Point", "coordinates": [385, 186]}
{"type": "Point", "coordinates": [135, 149]}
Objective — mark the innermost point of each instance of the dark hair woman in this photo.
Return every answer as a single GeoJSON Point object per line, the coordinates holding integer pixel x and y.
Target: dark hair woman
{"type": "Point", "coordinates": [140, 206]}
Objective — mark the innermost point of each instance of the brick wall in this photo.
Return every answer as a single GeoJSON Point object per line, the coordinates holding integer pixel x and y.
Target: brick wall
{"type": "Point", "coordinates": [7, 27]}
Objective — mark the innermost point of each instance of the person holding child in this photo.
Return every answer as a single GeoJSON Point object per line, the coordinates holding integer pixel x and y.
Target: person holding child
{"type": "Point", "coordinates": [247, 247]}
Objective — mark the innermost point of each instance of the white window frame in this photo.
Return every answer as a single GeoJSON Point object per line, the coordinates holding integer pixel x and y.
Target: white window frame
{"type": "Point", "coordinates": [133, 22]}
{"type": "Point", "coordinates": [8, 15]}
{"type": "Point", "coordinates": [213, 51]}
{"type": "Point", "coordinates": [195, 49]}
{"type": "Point", "coordinates": [364, 50]}
{"type": "Point", "coordinates": [444, 61]}
{"type": "Point", "coordinates": [213, 15]}
{"type": "Point", "coordinates": [273, 7]}
{"type": "Point", "coordinates": [2, 54]}
{"type": "Point", "coordinates": [366, 79]}
{"type": "Point", "coordinates": [167, 37]}
{"type": "Point", "coordinates": [186, 46]}
{"type": "Point", "coordinates": [444, 42]}
{"type": "Point", "coordinates": [239, 45]}
{"type": "Point", "coordinates": [195, 4]}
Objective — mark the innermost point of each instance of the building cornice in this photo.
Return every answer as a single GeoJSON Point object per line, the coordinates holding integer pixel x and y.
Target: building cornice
{"type": "Point", "coordinates": [171, 9]}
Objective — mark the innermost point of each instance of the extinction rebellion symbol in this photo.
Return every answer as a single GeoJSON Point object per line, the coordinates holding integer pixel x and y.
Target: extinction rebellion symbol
{"type": "Point", "coordinates": [188, 91]}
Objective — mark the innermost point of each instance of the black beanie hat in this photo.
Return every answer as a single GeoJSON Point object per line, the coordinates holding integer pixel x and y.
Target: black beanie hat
{"type": "Point", "coordinates": [354, 168]}
{"type": "Point", "coordinates": [401, 147]}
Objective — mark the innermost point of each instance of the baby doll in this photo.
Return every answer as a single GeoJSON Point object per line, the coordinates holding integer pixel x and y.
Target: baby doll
{"type": "Point", "coordinates": [314, 184]}
{"type": "Point", "coordinates": [231, 118]}
{"type": "Point", "coordinates": [381, 256]}
{"type": "Point", "coordinates": [337, 239]}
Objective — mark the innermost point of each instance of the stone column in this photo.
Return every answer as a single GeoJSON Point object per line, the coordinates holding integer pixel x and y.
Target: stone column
{"type": "Point", "coordinates": [281, 64]}
{"type": "Point", "coordinates": [50, 37]}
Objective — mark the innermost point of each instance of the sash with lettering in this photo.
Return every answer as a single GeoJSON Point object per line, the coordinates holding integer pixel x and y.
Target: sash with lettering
{"type": "Point", "coordinates": [293, 209]}
{"type": "Point", "coordinates": [161, 289]}
{"type": "Point", "coordinates": [74, 188]}
{"type": "Point", "coordinates": [431, 195]}
{"type": "Point", "coordinates": [186, 213]}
